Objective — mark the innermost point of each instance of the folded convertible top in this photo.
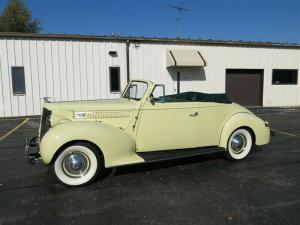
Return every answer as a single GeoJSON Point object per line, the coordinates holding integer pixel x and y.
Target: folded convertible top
{"type": "Point", "coordinates": [195, 97]}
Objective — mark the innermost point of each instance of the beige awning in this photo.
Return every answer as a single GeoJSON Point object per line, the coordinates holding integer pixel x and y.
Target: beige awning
{"type": "Point", "coordinates": [184, 58]}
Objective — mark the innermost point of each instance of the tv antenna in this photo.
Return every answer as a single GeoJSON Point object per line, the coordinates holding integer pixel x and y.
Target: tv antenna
{"type": "Point", "coordinates": [178, 17]}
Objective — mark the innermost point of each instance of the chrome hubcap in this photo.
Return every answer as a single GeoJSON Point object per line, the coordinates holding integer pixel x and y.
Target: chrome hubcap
{"type": "Point", "coordinates": [238, 143]}
{"type": "Point", "coordinates": [76, 164]}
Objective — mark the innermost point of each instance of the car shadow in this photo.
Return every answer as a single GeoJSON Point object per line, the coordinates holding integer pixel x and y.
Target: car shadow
{"type": "Point", "coordinates": [151, 166]}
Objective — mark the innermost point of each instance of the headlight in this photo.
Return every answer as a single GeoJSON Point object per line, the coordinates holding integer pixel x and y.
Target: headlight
{"type": "Point", "coordinates": [79, 115]}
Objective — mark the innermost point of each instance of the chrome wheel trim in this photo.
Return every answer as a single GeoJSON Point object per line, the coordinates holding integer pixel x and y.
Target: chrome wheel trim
{"type": "Point", "coordinates": [63, 176]}
{"type": "Point", "coordinates": [76, 164]}
{"type": "Point", "coordinates": [238, 143]}
{"type": "Point", "coordinates": [234, 149]}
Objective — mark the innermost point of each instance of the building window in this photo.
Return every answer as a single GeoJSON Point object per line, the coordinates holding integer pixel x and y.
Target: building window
{"type": "Point", "coordinates": [18, 80]}
{"type": "Point", "coordinates": [282, 76]}
{"type": "Point", "coordinates": [114, 79]}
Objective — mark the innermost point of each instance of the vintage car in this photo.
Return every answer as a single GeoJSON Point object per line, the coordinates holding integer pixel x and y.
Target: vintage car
{"type": "Point", "coordinates": [82, 138]}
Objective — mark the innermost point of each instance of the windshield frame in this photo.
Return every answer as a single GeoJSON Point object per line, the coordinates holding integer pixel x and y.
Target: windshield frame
{"type": "Point", "coordinates": [128, 86]}
{"type": "Point", "coordinates": [164, 91]}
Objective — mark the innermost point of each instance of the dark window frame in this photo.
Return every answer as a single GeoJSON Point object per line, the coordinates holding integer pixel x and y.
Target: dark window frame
{"type": "Point", "coordinates": [110, 79]}
{"type": "Point", "coordinates": [13, 80]}
{"type": "Point", "coordinates": [294, 78]}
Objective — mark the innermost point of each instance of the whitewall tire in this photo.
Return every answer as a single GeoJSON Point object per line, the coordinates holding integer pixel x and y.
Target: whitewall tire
{"type": "Point", "coordinates": [78, 164]}
{"type": "Point", "coordinates": [239, 144]}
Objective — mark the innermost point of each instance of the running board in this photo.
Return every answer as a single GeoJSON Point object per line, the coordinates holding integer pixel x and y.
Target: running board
{"type": "Point", "coordinates": [156, 156]}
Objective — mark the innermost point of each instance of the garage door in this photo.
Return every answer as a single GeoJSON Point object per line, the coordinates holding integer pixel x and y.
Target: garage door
{"type": "Point", "coordinates": [245, 86]}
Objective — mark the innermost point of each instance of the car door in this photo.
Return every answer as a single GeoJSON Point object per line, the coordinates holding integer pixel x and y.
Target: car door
{"type": "Point", "coordinates": [211, 119]}
{"type": "Point", "coordinates": [167, 126]}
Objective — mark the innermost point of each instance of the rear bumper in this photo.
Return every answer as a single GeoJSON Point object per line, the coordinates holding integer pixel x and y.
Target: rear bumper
{"type": "Point", "coordinates": [31, 150]}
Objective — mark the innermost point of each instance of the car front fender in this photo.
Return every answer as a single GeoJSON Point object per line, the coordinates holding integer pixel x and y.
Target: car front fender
{"type": "Point", "coordinates": [117, 146]}
{"type": "Point", "coordinates": [247, 120]}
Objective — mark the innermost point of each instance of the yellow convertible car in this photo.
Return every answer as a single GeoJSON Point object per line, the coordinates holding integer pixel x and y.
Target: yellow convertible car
{"type": "Point", "coordinates": [81, 138]}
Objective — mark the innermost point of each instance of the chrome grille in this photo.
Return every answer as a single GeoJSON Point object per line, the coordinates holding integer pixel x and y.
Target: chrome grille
{"type": "Point", "coordinates": [45, 123]}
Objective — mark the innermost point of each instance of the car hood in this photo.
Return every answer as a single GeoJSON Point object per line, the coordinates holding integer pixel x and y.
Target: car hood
{"type": "Point", "coordinates": [94, 105]}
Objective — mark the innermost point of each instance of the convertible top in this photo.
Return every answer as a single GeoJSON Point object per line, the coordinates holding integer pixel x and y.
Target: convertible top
{"type": "Point", "coordinates": [195, 97]}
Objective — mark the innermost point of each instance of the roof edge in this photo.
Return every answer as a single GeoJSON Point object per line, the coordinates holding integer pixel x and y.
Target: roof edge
{"type": "Point", "coordinates": [150, 40]}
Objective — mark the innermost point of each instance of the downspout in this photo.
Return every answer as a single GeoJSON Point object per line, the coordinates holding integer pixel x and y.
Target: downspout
{"type": "Point", "coordinates": [178, 82]}
{"type": "Point", "coordinates": [127, 60]}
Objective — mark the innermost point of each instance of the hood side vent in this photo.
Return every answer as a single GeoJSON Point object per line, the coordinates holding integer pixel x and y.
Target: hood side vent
{"type": "Point", "coordinates": [107, 114]}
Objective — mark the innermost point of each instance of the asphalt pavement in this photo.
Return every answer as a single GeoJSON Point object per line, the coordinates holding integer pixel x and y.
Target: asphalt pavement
{"type": "Point", "coordinates": [263, 189]}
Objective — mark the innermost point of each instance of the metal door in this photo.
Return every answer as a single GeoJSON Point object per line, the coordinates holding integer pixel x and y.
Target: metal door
{"type": "Point", "coordinates": [245, 86]}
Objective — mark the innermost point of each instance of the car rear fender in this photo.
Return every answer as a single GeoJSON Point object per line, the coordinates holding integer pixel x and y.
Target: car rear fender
{"type": "Point", "coordinates": [117, 146]}
{"type": "Point", "coordinates": [249, 121]}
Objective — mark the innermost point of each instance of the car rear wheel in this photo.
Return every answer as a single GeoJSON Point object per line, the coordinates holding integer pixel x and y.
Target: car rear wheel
{"type": "Point", "coordinates": [78, 164]}
{"type": "Point", "coordinates": [239, 144]}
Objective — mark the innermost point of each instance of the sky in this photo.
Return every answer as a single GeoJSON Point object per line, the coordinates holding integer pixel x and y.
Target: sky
{"type": "Point", "coordinates": [247, 20]}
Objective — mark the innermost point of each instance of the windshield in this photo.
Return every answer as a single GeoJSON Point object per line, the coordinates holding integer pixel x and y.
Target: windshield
{"type": "Point", "coordinates": [136, 90]}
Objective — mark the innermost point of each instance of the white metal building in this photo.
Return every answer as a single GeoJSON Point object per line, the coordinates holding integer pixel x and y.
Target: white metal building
{"type": "Point", "coordinates": [72, 67]}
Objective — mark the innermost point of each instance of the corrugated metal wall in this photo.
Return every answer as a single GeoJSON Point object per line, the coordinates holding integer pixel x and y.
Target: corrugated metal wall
{"type": "Point", "coordinates": [148, 62]}
{"type": "Point", "coordinates": [62, 70]}
{"type": "Point", "coordinates": [79, 70]}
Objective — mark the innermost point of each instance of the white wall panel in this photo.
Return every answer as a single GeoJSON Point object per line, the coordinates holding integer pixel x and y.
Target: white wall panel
{"type": "Point", "coordinates": [22, 109]}
{"type": "Point", "coordinates": [5, 72]}
{"type": "Point", "coordinates": [219, 58]}
{"type": "Point", "coordinates": [56, 71]}
{"type": "Point", "coordinates": [42, 69]}
{"type": "Point", "coordinates": [2, 80]}
{"type": "Point", "coordinates": [96, 70]}
{"type": "Point", "coordinates": [103, 70]}
{"type": "Point", "coordinates": [35, 77]}
{"type": "Point", "coordinates": [90, 70]}
{"type": "Point", "coordinates": [112, 62]}
{"type": "Point", "coordinates": [70, 70]}
{"type": "Point", "coordinates": [49, 79]}
{"type": "Point", "coordinates": [122, 64]}
{"type": "Point", "coordinates": [79, 70]}
{"type": "Point", "coordinates": [11, 61]}
{"type": "Point", "coordinates": [28, 77]}
{"type": "Point", "coordinates": [83, 70]}
{"type": "Point", "coordinates": [63, 70]}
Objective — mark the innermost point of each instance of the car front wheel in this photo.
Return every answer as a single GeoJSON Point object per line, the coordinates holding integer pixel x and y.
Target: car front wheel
{"type": "Point", "coordinates": [239, 144]}
{"type": "Point", "coordinates": [78, 164]}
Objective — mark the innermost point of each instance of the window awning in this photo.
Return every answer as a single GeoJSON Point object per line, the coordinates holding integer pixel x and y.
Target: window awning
{"type": "Point", "coordinates": [184, 58]}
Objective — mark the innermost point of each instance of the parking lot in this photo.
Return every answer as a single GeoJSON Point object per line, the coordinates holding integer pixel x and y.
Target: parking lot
{"type": "Point", "coordinates": [263, 189]}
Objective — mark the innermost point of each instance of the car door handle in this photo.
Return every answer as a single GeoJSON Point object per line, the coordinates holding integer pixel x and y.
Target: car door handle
{"type": "Point", "coordinates": [194, 114]}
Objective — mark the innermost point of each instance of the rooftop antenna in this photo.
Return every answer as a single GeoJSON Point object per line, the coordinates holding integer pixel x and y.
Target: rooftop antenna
{"type": "Point", "coordinates": [178, 17]}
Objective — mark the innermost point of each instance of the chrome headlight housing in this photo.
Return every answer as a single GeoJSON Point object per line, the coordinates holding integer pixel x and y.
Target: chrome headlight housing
{"type": "Point", "coordinates": [79, 115]}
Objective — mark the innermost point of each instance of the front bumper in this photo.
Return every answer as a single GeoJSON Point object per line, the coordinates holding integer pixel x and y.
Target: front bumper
{"type": "Point", "coordinates": [31, 150]}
